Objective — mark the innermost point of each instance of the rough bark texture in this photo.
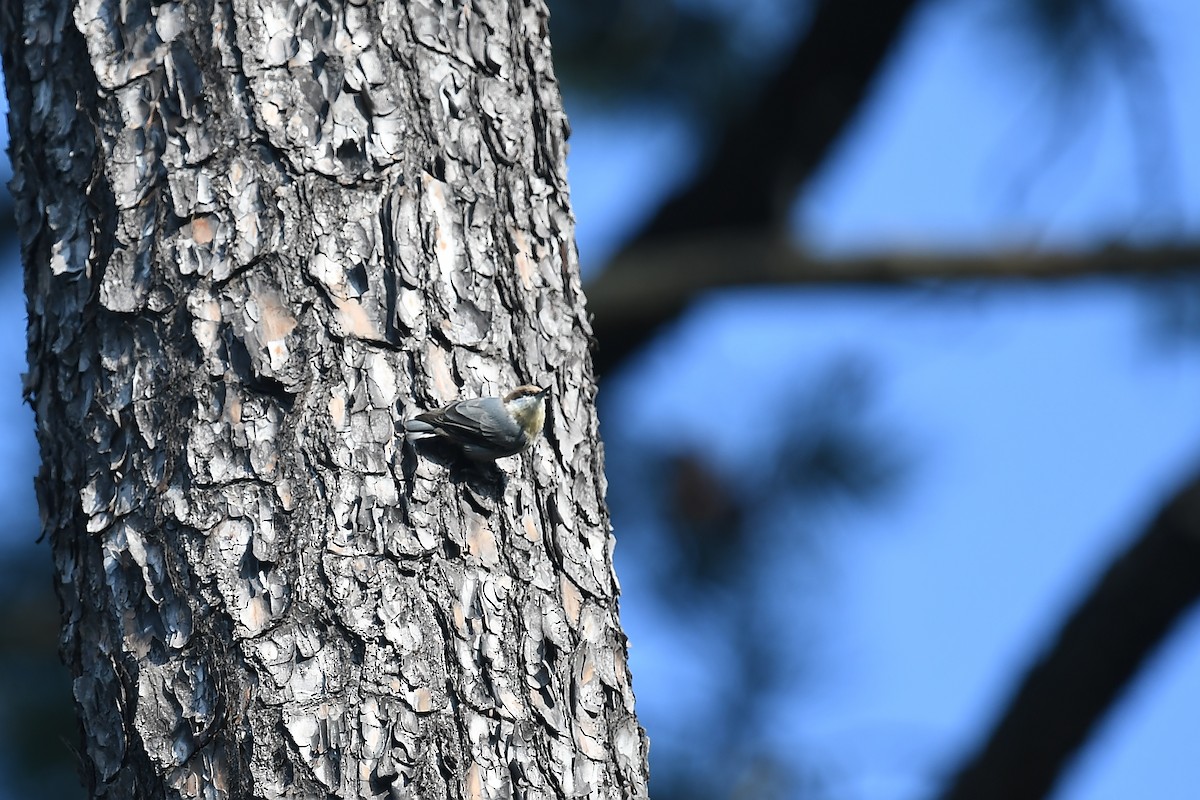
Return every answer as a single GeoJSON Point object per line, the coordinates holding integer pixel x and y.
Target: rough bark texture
{"type": "Point", "coordinates": [257, 234]}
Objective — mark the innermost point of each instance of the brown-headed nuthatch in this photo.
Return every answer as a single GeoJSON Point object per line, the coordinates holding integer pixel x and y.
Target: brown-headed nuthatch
{"type": "Point", "coordinates": [487, 428]}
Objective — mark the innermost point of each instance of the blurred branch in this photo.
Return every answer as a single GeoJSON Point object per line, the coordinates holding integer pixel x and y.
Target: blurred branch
{"type": "Point", "coordinates": [648, 286]}
{"type": "Point", "coordinates": [1115, 628]}
{"type": "Point", "coordinates": [767, 153]}
{"type": "Point", "coordinates": [8, 220]}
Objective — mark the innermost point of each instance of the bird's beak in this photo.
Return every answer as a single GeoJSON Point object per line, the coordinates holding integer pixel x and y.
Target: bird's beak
{"type": "Point", "coordinates": [544, 392]}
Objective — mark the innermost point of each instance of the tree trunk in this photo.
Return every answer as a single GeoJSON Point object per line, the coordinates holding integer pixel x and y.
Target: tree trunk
{"type": "Point", "coordinates": [256, 236]}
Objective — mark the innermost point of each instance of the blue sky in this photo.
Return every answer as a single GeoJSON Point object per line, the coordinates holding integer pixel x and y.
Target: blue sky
{"type": "Point", "coordinates": [1049, 420]}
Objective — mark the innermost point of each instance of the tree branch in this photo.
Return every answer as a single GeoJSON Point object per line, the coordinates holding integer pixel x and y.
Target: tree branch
{"type": "Point", "coordinates": [774, 147]}
{"type": "Point", "coordinates": [1099, 649]}
{"type": "Point", "coordinates": [650, 285]}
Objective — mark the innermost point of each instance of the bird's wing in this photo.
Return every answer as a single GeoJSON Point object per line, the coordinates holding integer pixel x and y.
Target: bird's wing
{"type": "Point", "coordinates": [480, 419]}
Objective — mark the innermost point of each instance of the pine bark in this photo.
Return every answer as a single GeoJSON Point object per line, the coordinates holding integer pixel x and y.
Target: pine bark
{"type": "Point", "coordinates": [257, 235]}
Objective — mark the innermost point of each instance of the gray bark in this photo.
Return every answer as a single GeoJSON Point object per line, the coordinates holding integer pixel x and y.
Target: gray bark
{"type": "Point", "coordinates": [257, 234]}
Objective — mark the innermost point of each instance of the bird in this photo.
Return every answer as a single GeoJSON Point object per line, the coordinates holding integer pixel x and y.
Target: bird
{"type": "Point", "coordinates": [486, 428]}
